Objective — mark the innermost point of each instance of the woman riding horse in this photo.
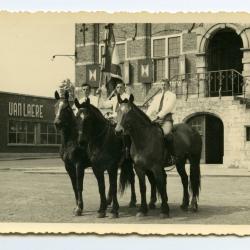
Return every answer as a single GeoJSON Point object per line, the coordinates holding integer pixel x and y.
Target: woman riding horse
{"type": "Point", "coordinates": [148, 153]}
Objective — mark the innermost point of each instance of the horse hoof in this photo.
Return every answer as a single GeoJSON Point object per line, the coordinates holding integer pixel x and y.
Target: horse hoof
{"type": "Point", "coordinates": [141, 214]}
{"type": "Point", "coordinates": [151, 206]}
{"type": "Point", "coordinates": [101, 215]}
{"type": "Point", "coordinates": [77, 211]}
{"type": "Point", "coordinates": [194, 208]}
{"type": "Point", "coordinates": [164, 215]}
{"type": "Point", "coordinates": [184, 207]}
{"type": "Point", "coordinates": [132, 204]}
{"type": "Point", "coordinates": [114, 215]}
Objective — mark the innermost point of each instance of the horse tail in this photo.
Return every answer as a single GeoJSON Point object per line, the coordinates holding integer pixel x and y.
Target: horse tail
{"type": "Point", "coordinates": [195, 176]}
{"type": "Point", "coordinates": [195, 173]}
{"type": "Point", "coordinates": [127, 175]}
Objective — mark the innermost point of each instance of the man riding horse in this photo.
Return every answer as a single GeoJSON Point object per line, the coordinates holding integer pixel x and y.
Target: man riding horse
{"type": "Point", "coordinates": [160, 111]}
{"type": "Point", "coordinates": [113, 103]}
{"type": "Point", "coordinates": [86, 93]}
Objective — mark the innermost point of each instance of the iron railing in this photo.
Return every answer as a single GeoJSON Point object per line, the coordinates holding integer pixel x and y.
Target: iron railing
{"type": "Point", "coordinates": [209, 84]}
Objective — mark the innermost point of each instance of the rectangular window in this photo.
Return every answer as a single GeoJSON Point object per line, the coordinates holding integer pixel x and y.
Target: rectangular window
{"type": "Point", "coordinates": [27, 132]}
{"type": "Point", "coordinates": [159, 48]}
{"type": "Point", "coordinates": [173, 67]}
{"type": "Point", "coordinates": [248, 133]}
{"type": "Point", "coordinates": [174, 46]}
{"type": "Point", "coordinates": [159, 59]}
{"type": "Point", "coordinates": [49, 134]}
{"type": "Point", "coordinates": [166, 61]}
{"type": "Point", "coordinates": [21, 132]}
{"type": "Point", "coordinates": [159, 69]}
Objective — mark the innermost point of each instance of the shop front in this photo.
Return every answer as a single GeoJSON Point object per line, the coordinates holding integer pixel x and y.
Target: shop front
{"type": "Point", "coordinates": [26, 125]}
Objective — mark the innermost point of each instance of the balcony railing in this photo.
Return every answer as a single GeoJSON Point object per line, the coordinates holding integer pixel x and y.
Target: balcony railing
{"type": "Point", "coordinates": [209, 84]}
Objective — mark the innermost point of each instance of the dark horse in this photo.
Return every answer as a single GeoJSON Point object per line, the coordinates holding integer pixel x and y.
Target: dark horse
{"type": "Point", "coordinates": [105, 151]}
{"type": "Point", "coordinates": [74, 156]}
{"type": "Point", "coordinates": [148, 153]}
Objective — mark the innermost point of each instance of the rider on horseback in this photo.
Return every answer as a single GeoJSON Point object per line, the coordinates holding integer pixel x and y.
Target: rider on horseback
{"type": "Point", "coordinates": [86, 93]}
{"type": "Point", "coordinates": [160, 111]}
{"type": "Point", "coordinates": [113, 103]}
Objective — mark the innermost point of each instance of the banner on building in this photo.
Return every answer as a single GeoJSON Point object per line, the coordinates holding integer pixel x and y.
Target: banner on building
{"type": "Point", "coordinates": [145, 71]}
{"type": "Point", "coordinates": [93, 75]}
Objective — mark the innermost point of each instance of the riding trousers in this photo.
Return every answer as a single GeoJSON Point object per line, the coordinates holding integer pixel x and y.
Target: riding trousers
{"type": "Point", "coordinates": [166, 123]}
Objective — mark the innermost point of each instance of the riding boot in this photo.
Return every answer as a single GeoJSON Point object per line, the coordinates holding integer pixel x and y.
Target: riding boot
{"type": "Point", "coordinates": [169, 143]}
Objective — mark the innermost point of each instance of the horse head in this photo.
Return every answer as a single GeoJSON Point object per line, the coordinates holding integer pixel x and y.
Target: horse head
{"type": "Point", "coordinates": [90, 118]}
{"type": "Point", "coordinates": [123, 124]}
{"type": "Point", "coordinates": [63, 111]}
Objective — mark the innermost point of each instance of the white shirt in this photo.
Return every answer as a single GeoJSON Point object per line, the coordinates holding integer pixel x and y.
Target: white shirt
{"type": "Point", "coordinates": [169, 102]}
{"type": "Point", "coordinates": [113, 103]}
{"type": "Point", "coordinates": [93, 100]}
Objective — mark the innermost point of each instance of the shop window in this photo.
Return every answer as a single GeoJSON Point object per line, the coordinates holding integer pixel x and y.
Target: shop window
{"type": "Point", "coordinates": [49, 134]}
{"type": "Point", "coordinates": [21, 132]}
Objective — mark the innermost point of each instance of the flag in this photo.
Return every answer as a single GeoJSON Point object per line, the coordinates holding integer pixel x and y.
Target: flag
{"type": "Point", "coordinates": [115, 71]}
{"type": "Point", "coordinates": [145, 71]}
{"type": "Point", "coordinates": [110, 62]}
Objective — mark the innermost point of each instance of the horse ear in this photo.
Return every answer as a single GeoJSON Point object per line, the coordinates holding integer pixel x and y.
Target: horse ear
{"type": "Point", "coordinates": [119, 99]}
{"type": "Point", "coordinates": [57, 96]}
{"type": "Point", "coordinates": [66, 95]}
{"type": "Point", "coordinates": [131, 98]}
{"type": "Point", "coordinates": [87, 101]}
{"type": "Point", "coordinates": [77, 103]}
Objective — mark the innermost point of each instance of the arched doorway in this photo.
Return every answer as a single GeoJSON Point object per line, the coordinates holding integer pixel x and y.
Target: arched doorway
{"type": "Point", "coordinates": [211, 129]}
{"type": "Point", "coordinates": [224, 59]}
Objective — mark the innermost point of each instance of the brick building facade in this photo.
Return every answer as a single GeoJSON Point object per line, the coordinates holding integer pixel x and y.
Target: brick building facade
{"type": "Point", "coordinates": [209, 69]}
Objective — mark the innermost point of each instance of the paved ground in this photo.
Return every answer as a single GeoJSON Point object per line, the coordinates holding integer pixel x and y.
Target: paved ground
{"type": "Point", "coordinates": [40, 191]}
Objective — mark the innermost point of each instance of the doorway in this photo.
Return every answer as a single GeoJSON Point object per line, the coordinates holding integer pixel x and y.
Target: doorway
{"type": "Point", "coordinates": [225, 54]}
{"type": "Point", "coordinates": [211, 130]}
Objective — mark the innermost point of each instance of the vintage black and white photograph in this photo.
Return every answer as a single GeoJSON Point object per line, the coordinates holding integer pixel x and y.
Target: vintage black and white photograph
{"type": "Point", "coordinates": [124, 123]}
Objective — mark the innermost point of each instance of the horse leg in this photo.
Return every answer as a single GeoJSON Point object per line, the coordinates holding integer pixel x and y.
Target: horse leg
{"type": "Point", "coordinates": [132, 202]}
{"type": "Point", "coordinates": [153, 198]}
{"type": "Point", "coordinates": [109, 197]}
{"type": "Point", "coordinates": [72, 174]}
{"type": "Point", "coordinates": [99, 174]}
{"type": "Point", "coordinates": [180, 166]}
{"type": "Point", "coordinates": [194, 181]}
{"type": "Point", "coordinates": [79, 185]}
{"type": "Point", "coordinates": [113, 190]}
{"type": "Point", "coordinates": [144, 207]}
{"type": "Point", "coordinates": [160, 178]}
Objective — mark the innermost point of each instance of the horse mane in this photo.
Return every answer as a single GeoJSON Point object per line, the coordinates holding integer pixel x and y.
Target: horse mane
{"type": "Point", "coordinates": [142, 114]}
{"type": "Point", "coordinates": [97, 112]}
